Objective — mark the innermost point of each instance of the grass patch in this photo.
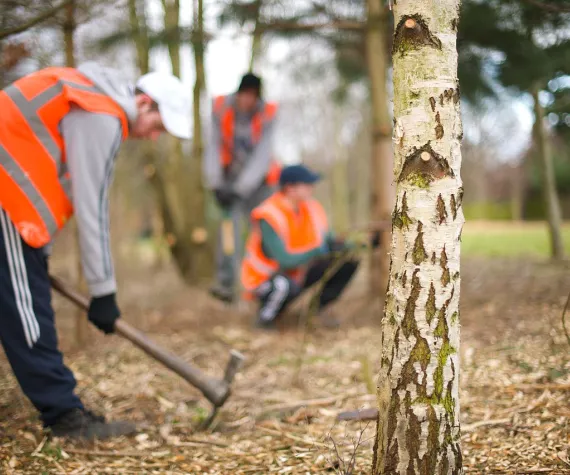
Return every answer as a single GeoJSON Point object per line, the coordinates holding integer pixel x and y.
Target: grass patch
{"type": "Point", "coordinates": [504, 239]}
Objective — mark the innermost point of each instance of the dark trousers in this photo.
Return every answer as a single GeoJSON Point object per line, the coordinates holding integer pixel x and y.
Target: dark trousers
{"type": "Point", "coordinates": [27, 328]}
{"type": "Point", "coordinates": [226, 266]}
{"type": "Point", "coordinates": [276, 294]}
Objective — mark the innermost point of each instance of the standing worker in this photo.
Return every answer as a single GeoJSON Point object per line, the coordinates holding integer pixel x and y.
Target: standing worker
{"type": "Point", "coordinates": [239, 168]}
{"type": "Point", "coordinates": [291, 248]}
{"type": "Point", "coordinates": [60, 131]}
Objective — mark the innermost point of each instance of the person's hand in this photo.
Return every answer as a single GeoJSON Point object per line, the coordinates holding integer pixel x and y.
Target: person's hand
{"type": "Point", "coordinates": [225, 198]}
{"type": "Point", "coordinates": [323, 249]}
{"type": "Point", "coordinates": [103, 313]}
{"type": "Point", "coordinates": [337, 245]}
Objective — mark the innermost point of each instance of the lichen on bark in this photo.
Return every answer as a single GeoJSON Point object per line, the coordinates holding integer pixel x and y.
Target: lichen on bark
{"type": "Point", "coordinates": [445, 277]}
{"type": "Point", "coordinates": [453, 206]}
{"type": "Point", "coordinates": [419, 253]}
{"type": "Point", "coordinates": [401, 219]}
{"type": "Point", "coordinates": [430, 305]}
{"type": "Point", "coordinates": [441, 210]}
{"type": "Point", "coordinates": [409, 325]}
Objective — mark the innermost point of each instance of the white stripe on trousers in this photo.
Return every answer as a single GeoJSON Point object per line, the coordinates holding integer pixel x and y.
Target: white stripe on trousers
{"type": "Point", "coordinates": [19, 277]}
{"type": "Point", "coordinates": [276, 298]}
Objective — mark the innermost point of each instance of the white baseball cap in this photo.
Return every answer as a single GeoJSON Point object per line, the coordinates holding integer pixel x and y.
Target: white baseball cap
{"type": "Point", "coordinates": [173, 99]}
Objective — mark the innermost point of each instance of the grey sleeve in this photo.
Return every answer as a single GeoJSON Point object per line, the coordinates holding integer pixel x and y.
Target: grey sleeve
{"type": "Point", "coordinates": [92, 142]}
{"type": "Point", "coordinates": [213, 174]}
{"type": "Point", "coordinates": [258, 165]}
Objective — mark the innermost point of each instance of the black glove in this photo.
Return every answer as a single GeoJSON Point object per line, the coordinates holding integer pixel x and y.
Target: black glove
{"type": "Point", "coordinates": [337, 245]}
{"type": "Point", "coordinates": [103, 313]}
{"type": "Point", "coordinates": [225, 198]}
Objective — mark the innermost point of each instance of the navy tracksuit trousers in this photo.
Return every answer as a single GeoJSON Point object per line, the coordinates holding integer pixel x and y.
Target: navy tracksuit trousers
{"type": "Point", "coordinates": [278, 293]}
{"type": "Point", "coordinates": [27, 327]}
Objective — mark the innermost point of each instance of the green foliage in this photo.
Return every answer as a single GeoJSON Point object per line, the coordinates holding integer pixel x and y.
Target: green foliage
{"type": "Point", "coordinates": [509, 240]}
{"type": "Point", "coordinates": [517, 44]}
{"type": "Point", "coordinates": [561, 162]}
{"type": "Point", "coordinates": [487, 210]}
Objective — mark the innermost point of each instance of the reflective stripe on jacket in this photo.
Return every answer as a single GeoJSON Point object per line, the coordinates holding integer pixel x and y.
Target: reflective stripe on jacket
{"type": "Point", "coordinates": [35, 188]}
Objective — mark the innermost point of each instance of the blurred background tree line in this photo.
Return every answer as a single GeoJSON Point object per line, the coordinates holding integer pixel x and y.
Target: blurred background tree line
{"type": "Point", "coordinates": [328, 65]}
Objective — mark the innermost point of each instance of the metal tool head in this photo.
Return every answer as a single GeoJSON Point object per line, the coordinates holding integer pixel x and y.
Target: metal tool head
{"type": "Point", "coordinates": [224, 386]}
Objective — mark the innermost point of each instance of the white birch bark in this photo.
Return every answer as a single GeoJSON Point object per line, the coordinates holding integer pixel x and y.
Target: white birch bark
{"type": "Point", "coordinates": [418, 388]}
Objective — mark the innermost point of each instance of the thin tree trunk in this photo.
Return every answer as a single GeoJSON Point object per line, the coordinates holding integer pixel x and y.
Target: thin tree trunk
{"type": "Point", "coordinates": [382, 159]}
{"type": "Point", "coordinates": [68, 33]}
{"type": "Point", "coordinates": [256, 39]}
{"type": "Point", "coordinates": [202, 251]}
{"type": "Point", "coordinates": [418, 386]}
{"type": "Point", "coordinates": [339, 192]}
{"type": "Point", "coordinates": [339, 189]}
{"type": "Point", "coordinates": [554, 215]}
{"type": "Point", "coordinates": [517, 192]}
{"type": "Point", "coordinates": [137, 20]}
{"type": "Point", "coordinates": [171, 24]}
{"type": "Point", "coordinates": [81, 323]}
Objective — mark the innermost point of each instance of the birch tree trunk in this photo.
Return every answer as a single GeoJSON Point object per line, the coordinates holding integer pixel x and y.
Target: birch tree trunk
{"type": "Point", "coordinates": [418, 387]}
{"type": "Point", "coordinates": [382, 197]}
{"type": "Point", "coordinates": [554, 215]}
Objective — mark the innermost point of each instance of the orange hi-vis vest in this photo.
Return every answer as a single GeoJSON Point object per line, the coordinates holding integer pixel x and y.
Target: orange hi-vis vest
{"type": "Point", "coordinates": [300, 230]}
{"type": "Point", "coordinates": [226, 115]}
{"type": "Point", "coordinates": [35, 186]}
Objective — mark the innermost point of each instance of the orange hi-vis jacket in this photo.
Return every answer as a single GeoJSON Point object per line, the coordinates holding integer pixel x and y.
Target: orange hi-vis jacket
{"type": "Point", "coordinates": [226, 114]}
{"type": "Point", "coordinates": [35, 187]}
{"type": "Point", "coordinates": [300, 230]}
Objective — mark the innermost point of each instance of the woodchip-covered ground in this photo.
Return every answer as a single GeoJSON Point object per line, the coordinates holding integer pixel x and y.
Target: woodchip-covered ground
{"type": "Point", "coordinates": [282, 417]}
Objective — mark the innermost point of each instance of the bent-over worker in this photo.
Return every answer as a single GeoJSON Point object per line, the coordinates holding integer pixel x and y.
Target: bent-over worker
{"type": "Point", "coordinates": [289, 249]}
{"type": "Point", "coordinates": [239, 168]}
{"type": "Point", "coordinates": [60, 131]}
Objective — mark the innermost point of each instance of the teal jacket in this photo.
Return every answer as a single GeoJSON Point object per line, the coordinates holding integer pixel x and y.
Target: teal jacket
{"type": "Point", "coordinates": [274, 248]}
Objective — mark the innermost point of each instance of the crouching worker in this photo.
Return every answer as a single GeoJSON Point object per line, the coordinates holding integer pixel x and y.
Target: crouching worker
{"type": "Point", "coordinates": [289, 249]}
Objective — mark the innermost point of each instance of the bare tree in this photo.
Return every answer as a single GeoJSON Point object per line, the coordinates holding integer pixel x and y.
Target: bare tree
{"type": "Point", "coordinates": [382, 161]}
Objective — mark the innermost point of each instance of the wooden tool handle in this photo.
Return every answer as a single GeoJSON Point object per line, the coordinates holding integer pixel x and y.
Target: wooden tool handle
{"type": "Point", "coordinates": [228, 240]}
{"type": "Point", "coordinates": [216, 391]}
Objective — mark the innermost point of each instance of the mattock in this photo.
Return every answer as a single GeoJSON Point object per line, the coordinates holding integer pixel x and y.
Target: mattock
{"type": "Point", "coordinates": [215, 390]}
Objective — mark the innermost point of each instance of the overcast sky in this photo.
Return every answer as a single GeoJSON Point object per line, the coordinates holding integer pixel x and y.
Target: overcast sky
{"type": "Point", "coordinates": [227, 58]}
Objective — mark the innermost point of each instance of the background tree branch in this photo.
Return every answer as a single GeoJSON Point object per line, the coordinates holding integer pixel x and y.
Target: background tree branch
{"type": "Point", "coordinates": [549, 6]}
{"type": "Point", "coordinates": [34, 21]}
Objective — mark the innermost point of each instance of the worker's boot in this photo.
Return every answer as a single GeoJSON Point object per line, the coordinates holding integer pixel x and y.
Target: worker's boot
{"type": "Point", "coordinates": [266, 325]}
{"type": "Point", "coordinates": [83, 424]}
{"type": "Point", "coordinates": [222, 293]}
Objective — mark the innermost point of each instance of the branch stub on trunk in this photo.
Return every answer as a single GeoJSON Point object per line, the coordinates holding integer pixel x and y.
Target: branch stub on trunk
{"type": "Point", "coordinates": [421, 172]}
{"type": "Point", "coordinates": [412, 33]}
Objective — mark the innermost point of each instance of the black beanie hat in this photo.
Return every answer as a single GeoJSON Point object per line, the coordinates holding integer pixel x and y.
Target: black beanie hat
{"type": "Point", "coordinates": [250, 82]}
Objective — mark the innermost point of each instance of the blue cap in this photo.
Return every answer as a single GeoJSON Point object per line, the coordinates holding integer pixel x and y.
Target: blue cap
{"type": "Point", "coordinates": [295, 174]}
